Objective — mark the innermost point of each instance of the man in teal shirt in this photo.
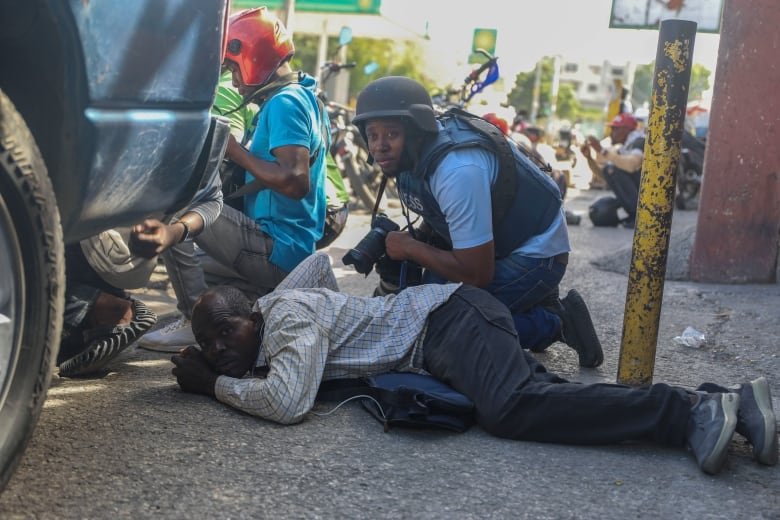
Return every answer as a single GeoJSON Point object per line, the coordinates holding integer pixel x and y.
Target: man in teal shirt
{"type": "Point", "coordinates": [285, 206]}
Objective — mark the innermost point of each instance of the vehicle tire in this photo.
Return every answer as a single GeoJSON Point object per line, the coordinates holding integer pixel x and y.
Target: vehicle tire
{"type": "Point", "coordinates": [32, 285]}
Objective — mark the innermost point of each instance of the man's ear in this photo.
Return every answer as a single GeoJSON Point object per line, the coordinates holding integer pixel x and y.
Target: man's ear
{"type": "Point", "coordinates": [257, 319]}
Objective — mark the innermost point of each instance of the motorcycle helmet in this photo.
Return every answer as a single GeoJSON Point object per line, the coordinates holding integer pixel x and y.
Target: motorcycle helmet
{"type": "Point", "coordinates": [604, 211]}
{"type": "Point", "coordinates": [258, 43]}
{"type": "Point", "coordinates": [396, 96]}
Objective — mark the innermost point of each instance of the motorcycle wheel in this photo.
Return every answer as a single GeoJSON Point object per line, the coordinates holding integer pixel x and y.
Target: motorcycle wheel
{"type": "Point", "coordinates": [688, 185]}
{"type": "Point", "coordinates": [32, 283]}
{"type": "Point", "coordinates": [356, 173]}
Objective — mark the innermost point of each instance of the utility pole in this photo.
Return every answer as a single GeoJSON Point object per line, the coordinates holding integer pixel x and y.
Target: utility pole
{"type": "Point", "coordinates": [287, 15]}
{"type": "Point", "coordinates": [556, 81]}
{"type": "Point", "coordinates": [537, 87]}
{"type": "Point", "coordinates": [322, 51]}
{"type": "Point", "coordinates": [644, 295]}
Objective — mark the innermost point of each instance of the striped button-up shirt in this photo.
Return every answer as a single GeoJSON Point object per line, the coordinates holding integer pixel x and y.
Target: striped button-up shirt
{"type": "Point", "coordinates": [313, 333]}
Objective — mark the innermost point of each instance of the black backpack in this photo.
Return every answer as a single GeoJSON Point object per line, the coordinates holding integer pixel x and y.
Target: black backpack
{"type": "Point", "coordinates": [604, 211]}
{"type": "Point", "coordinates": [405, 399]}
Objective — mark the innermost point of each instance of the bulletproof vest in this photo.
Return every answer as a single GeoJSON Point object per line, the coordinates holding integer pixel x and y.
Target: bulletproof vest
{"type": "Point", "coordinates": [524, 199]}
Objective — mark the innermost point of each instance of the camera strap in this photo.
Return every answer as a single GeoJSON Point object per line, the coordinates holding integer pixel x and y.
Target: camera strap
{"type": "Point", "coordinates": [380, 192]}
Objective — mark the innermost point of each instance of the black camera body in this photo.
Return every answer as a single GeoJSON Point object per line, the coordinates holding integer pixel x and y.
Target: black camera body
{"type": "Point", "coordinates": [372, 246]}
{"type": "Point", "coordinates": [392, 279]}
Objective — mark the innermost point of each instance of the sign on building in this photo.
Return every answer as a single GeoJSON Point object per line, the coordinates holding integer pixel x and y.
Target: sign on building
{"type": "Point", "coordinates": [483, 39]}
{"type": "Point", "coordinates": [647, 14]}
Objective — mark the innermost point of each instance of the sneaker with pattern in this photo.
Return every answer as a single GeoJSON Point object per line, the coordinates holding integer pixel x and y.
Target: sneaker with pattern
{"type": "Point", "coordinates": [105, 343]}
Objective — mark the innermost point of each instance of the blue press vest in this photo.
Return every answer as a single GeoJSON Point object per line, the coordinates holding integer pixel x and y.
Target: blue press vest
{"type": "Point", "coordinates": [536, 203]}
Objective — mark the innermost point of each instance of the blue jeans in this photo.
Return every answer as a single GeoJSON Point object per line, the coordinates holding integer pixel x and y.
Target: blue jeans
{"type": "Point", "coordinates": [522, 284]}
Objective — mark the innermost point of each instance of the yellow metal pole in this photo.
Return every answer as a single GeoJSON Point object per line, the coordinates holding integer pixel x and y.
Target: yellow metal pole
{"type": "Point", "coordinates": [656, 195]}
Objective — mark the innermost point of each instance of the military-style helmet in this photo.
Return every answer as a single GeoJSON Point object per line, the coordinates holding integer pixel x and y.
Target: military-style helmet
{"type": "Point", "coordinates": [396, 96]}
{"type": "Point", "coordinates": [258, 43]}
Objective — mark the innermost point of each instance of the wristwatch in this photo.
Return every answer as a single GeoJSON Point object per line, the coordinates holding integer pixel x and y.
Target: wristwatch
{"type": "Point", "coordinates": [186, 234]}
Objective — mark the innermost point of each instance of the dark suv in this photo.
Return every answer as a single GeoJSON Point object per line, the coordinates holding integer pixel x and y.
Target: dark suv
{"type": "Point", "coordinates": [104, 120]}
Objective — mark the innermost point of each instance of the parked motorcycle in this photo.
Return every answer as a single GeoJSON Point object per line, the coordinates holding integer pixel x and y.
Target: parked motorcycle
{"type": "Point", "coordinates": [472, 85]}
{"type": "Point", "coordinates": [689, 171]}
{"type": "Point", "coordinates": [349, 149]}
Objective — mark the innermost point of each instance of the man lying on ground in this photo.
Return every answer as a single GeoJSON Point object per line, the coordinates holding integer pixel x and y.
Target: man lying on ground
{"type": "Point", "coordinates": [306, 332]}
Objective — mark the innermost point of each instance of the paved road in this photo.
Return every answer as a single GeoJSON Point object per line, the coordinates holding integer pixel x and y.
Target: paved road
{"type": "Point", "coordinates": [131, 445]}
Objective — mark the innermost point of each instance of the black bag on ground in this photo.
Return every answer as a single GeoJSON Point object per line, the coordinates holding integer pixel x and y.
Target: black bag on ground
{"type": "Point", "coordinates": [604, 211]}
{"type": "Point", "coordinates": [405, 399]}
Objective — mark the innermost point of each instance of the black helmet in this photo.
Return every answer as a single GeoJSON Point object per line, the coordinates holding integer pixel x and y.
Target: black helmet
{"type": "Point", "coordinates": [396, 96]}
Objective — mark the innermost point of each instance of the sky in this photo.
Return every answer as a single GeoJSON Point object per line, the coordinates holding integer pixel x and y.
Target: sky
{"type": "Point", "coordinates": [527, 30]}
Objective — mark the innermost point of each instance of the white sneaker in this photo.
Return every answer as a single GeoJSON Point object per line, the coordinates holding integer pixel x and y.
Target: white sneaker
{"type": "Point", "coordinates": [171, 338]}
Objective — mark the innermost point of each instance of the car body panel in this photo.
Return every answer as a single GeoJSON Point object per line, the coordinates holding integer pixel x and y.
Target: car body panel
{"type": "Point", "coordinates": [117, 95]}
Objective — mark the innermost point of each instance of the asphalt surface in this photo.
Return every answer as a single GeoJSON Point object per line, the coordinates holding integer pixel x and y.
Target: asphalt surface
{"type": "Point", "coordinates": [130, 444]}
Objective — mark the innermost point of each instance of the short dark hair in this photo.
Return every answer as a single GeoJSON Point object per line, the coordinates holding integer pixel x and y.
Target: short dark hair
{"type": "Point", "coordinates": [235, 301]}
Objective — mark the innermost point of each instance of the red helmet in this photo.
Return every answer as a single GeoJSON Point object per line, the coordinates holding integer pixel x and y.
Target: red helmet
{"type": "Point", "coordinates": [498, 122]}
{"type": "Point", "coordinates": [258, 43]}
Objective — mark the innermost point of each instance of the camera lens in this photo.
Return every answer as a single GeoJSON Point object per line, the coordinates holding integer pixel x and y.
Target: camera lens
{"type": "Point", "coordinates": [362, 263]}
{"type": "Point", "coordinates": [365, 254]}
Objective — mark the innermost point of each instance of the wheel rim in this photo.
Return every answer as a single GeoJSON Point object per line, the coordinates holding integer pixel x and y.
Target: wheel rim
{"type": "Point", "coordinates": [11, 299]}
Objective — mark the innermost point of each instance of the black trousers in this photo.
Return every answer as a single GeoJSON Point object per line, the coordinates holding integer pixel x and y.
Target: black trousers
{"type": "Point", "coordinates": [625, 186]}
{"type": "Point", "coordinates": [471, 345]}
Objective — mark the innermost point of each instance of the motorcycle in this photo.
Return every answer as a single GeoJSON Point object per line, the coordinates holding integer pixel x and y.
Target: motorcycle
{"type": "Point", "coordinates": [471, 86]}
{"type": "Point", "coordinates": [349, 149]}
{"type": "Point", "coordinates": [690, 170]}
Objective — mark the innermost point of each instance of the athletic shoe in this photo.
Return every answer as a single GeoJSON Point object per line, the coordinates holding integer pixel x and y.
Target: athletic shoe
{"type": "Point", "coordinates": [105, 343]}
{"type": "Point", "coordinates": [170, 338]}
{"type": "Point", "coordinates": [710, 428]}
{"type": "Point", "coordinates": [577, 329]}
{"type": "Point", "coordinates": [756, 420]}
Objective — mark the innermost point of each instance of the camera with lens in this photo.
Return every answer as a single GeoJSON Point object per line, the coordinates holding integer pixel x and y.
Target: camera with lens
{"type": "Point", "coordinates": [372, 246]}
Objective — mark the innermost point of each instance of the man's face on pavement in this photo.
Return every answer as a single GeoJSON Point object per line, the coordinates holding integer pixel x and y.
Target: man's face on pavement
{"type": "Point", "coordinates": [386, 138]}
{"type": "Point", "coordinates": [229, 343]}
